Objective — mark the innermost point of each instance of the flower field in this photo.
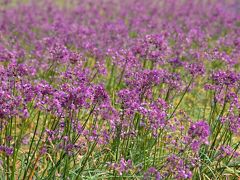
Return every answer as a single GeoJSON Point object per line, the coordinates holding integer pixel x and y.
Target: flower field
{"type": "Point", "coordinates": [119, 89]}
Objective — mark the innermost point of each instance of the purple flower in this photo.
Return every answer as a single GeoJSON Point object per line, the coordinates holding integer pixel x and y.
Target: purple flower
{"type": "Point", "coordinates": [152, 172]}
{"type": "Point", "coordinates": [199, 129]}
{"type": "Point", "coordinates": [176, 62]}
{"type": "Point", "coordinates": [195, 68]}
{"type": "Point", "coordinates": [100, 95]}
{"type": "Point", "coordinates": [43, 150]}
{"type": "Point", "coordinates": [58, 52]}
{"type": "Point", "coordinates": [198, 133]}
{"type": "Point", "coordinates": [228, 78]}
{"type": "Point", "coordinates": [232, 119]}
{"type": "Point", "coordinates": [177, 167]}
{"type": "Point", "coordinates": [7, 150]}
{"type": "Point", "coordinates": [228, 151]}
{"type": "Point", "coordinates": [123, 166]}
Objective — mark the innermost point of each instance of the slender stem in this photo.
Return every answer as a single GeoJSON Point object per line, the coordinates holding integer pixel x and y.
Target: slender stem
{"type": "Point", "coordinates": [30, 148]}
{"type": "Point", "coordinates": [86, 158]}
{"type": "Point", "coordinates": [179, 102]}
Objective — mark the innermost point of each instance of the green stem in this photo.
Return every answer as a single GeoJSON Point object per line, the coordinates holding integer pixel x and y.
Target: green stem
{"type": "Point", "coordinates": [179, 102]}
{"type": "Point", "coordinates": [31, 145]}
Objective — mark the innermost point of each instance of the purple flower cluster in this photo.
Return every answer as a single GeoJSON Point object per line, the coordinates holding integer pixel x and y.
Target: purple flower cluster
{"type": "Point", "coordinates": [7, 150]}
{"type": "Point", "coordinates": [227, 151]}
{"type": "Point", "coordinates": [228, 78]}
{"type": "Point", "coordinates": [122, 167]}
{"type": "Point", "coordinates": [152, 172]}
{"type": "Point", "coordinates": [198, 133]}
{"type": "Point", "coordinates": [178, 168]}
{"type": "Point", "coordinates": [99, 88]}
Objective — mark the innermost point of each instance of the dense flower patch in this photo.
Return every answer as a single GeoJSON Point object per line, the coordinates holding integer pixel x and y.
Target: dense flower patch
{"type": "Point", "coordinates": [120, 89]}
